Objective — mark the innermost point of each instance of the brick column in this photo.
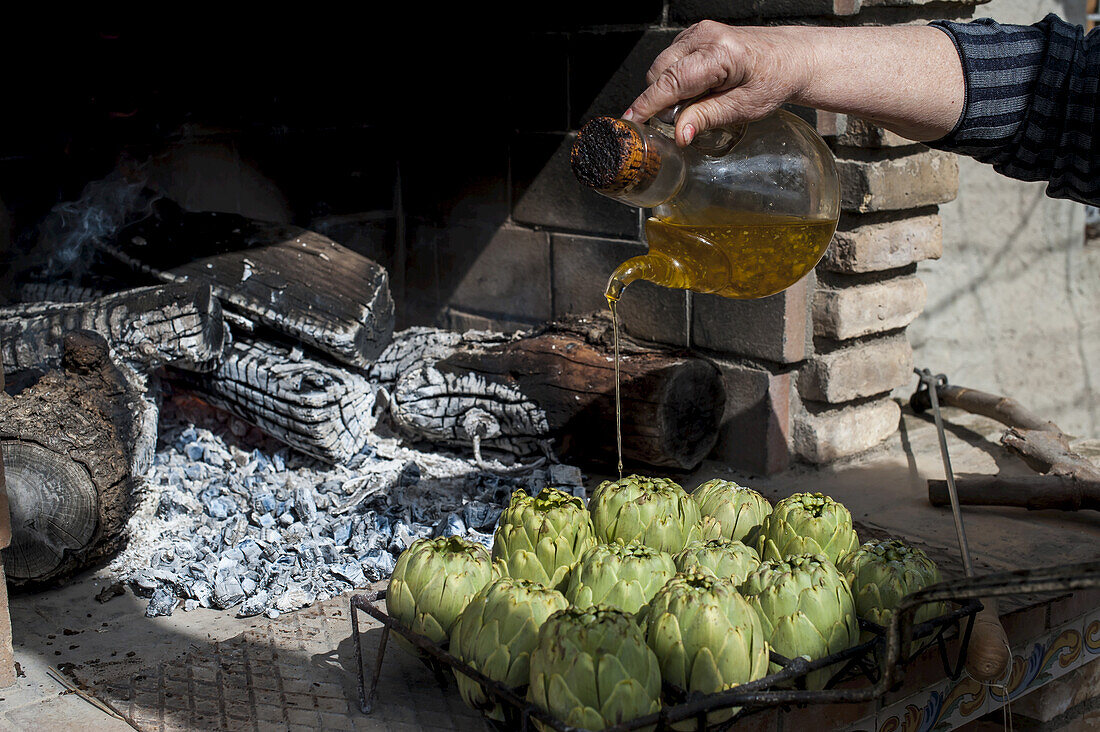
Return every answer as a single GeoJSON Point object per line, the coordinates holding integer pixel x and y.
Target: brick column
{"type": "Point", "coordinates": [867, 291]}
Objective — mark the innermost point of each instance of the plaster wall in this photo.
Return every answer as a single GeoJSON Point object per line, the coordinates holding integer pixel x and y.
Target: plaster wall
{"type": "Point", "coordinates": [1014, 303]}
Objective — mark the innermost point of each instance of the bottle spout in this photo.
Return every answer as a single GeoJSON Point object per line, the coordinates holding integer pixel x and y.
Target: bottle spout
{"type": "Point", "coordinates": [651, 267]}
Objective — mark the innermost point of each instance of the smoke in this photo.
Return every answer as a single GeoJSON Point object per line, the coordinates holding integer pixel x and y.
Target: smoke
{"type": "Point", "coordinates": [69, 234]}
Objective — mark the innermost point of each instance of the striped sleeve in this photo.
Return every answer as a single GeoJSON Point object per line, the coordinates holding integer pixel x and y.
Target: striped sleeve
{"type": "Point", "coordinates": [1031, 101]}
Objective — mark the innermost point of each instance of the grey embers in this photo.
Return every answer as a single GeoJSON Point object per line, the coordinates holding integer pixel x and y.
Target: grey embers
{"type": "Point", "coordinates": [270, 531]}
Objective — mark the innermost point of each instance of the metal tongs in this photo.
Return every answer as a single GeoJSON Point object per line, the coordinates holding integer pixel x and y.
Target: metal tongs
{"type": "Point", "coordinates": [989, 654]}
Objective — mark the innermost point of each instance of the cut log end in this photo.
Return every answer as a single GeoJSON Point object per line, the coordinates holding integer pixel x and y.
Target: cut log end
{"type": "Point", "coordinates": [84, 351]}
{"type": "Point", "coordinates": [691, 413]}
{"type": "Point", "coordinates": [54, 509]}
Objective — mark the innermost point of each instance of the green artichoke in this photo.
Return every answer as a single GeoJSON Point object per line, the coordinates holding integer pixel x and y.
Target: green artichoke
{"type": "Point", "coordinates": [655, 511]}
{"type": "Point", "coordinates": [707, 638]}
{"type": "Point", "coordinates": [624, 576]}
{"type": "Point", "coordinates": [540, 538]}
{"type": "Point", "coordinates": [806, 523]}
{"type": "Point", "coordinates": [730, 559]}
{"type": "Point", "coordinates": [806, 608]}
{"type": "Point", "coordinates": [433, 581]}
{"type": "Point", "coordinates": [592, 669]}
{"type": "Point", "coordinates": [729, 510]}
{"type": "Point", "coordinates": [882, 572]}
{"type": "Point", "coordinates": [496, 634]}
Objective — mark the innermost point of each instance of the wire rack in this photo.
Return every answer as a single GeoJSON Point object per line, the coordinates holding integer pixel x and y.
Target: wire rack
{"type": "Point", "coordinates": [880, 661]}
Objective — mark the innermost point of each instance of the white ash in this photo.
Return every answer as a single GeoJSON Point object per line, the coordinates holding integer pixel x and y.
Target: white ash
{"type": "Point", "coordinates": [266, 530]}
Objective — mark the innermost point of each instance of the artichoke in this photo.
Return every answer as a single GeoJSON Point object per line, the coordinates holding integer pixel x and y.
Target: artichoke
{"type": "Point", "coordinates": [806, 523]}
{"type": "Point", "coordinates": [624, 576]}
{"type": "Point", "coordinates": [729, 510]}
{"type": "Point", "coordinates": [806, 608]}
{"type": "Point", "coordinates": [591, 668]}
{"type": "Point", "coordinates": [730, 559]}
{"type": "Point", "coordinates": [496, 634]}
{"type": "Point", "coordinates": [432, 583]}
{"type": "Point", "coordinates": [655, 511]}
{"type": "Point", "coordinates": [540, 538]}
{"type": "Point", "coordinates": [882, 572]}
{"type": "Point", "coordinates": [707, 638]}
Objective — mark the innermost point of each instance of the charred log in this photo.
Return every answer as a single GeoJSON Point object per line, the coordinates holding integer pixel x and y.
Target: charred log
{"type": "Point", "coordinates": [57, 292]}
{"type": "Point", "coordinates": [557, 383]}
{"type": "Point", "coordinates": [68, 445]}
{"type": "Point", "coordinates": [315, 407]}
{"type": "Point", "coordinates": [177, 324]}
{"type": "Point", "coordinates": [296, 282]}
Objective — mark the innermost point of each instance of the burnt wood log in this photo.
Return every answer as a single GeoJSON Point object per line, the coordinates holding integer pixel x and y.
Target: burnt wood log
{"type": "Point", "coordinates": [559, 383]}
{"type": "Point", "coordinates": [147, 327]}
{"type": "Point", "coordinates": [68, 445]}
{"type": "Point", "coordinates": [315, 407]}
{"type": "Point", "coordinates": [296, 282]}
{"type": "Point", "coordinates": [57, 292]}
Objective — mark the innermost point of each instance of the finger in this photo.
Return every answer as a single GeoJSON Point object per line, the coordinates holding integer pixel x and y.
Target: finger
{"type": "Point", "coordinates": [683, 44]}
{"type": "Point", "coordinates": [671, 55]}
{"type": "Point", "coordinates": [692, 76]}
{"type": "Point", "coordinates": [729, 107]}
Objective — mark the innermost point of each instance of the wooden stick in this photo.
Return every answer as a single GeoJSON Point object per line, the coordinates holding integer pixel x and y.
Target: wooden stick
{"type": "Point", "coordinates": [1033, 492]}
{"type": "Point", "coordinates": [988, 652]}
{"type": "Point", "coordinates": [1049, 452]}
{"type": "Point", "coordinates": [69, 442]}
{"type": "Point", "coordinates": [296, 282]}
{"type": "Point", "coordinates": [1003, 409]}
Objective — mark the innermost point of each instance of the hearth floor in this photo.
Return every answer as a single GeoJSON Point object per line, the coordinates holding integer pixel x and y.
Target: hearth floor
{"type": "Point", "coordinates": [206, 669]}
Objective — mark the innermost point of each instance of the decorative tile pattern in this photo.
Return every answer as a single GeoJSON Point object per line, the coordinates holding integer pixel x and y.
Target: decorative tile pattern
{"type": "Point", "coordinates": [951, 704]}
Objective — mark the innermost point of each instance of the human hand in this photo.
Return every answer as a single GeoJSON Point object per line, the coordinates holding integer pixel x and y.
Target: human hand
{"type": "Point", "coordinates": [742, 74]}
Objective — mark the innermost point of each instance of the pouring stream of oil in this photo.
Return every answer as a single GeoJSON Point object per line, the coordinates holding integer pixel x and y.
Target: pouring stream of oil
{"type": "Point", "coordinates": [613, 304]}
{"type": "Point", "coordinates": [733, 254]}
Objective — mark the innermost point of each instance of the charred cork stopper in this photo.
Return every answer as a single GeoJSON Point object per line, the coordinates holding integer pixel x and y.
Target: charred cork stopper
{"type": "Point", "coordinates": [612, 156]}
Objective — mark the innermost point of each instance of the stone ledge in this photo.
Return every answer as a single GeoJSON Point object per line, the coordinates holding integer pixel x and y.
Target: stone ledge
{"type": "Point", "coordinates": [653, 313]}
{"type": "Point", "coordinates": [772, 328]}
{"type": "Point", "coordinates": [581, 266]}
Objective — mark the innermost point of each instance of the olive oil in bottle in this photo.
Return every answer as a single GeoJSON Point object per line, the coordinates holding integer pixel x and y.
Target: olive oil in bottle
{"type": "Point", "coordinates": [614, 306]}
{"type": "Point", "coordinates": [743, 212]}
{"type": "Point", "coordinates": [733, 254]}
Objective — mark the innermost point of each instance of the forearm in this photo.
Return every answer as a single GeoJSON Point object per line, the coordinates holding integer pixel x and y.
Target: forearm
{"type": "Point", "coordinates": [907, 79]}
